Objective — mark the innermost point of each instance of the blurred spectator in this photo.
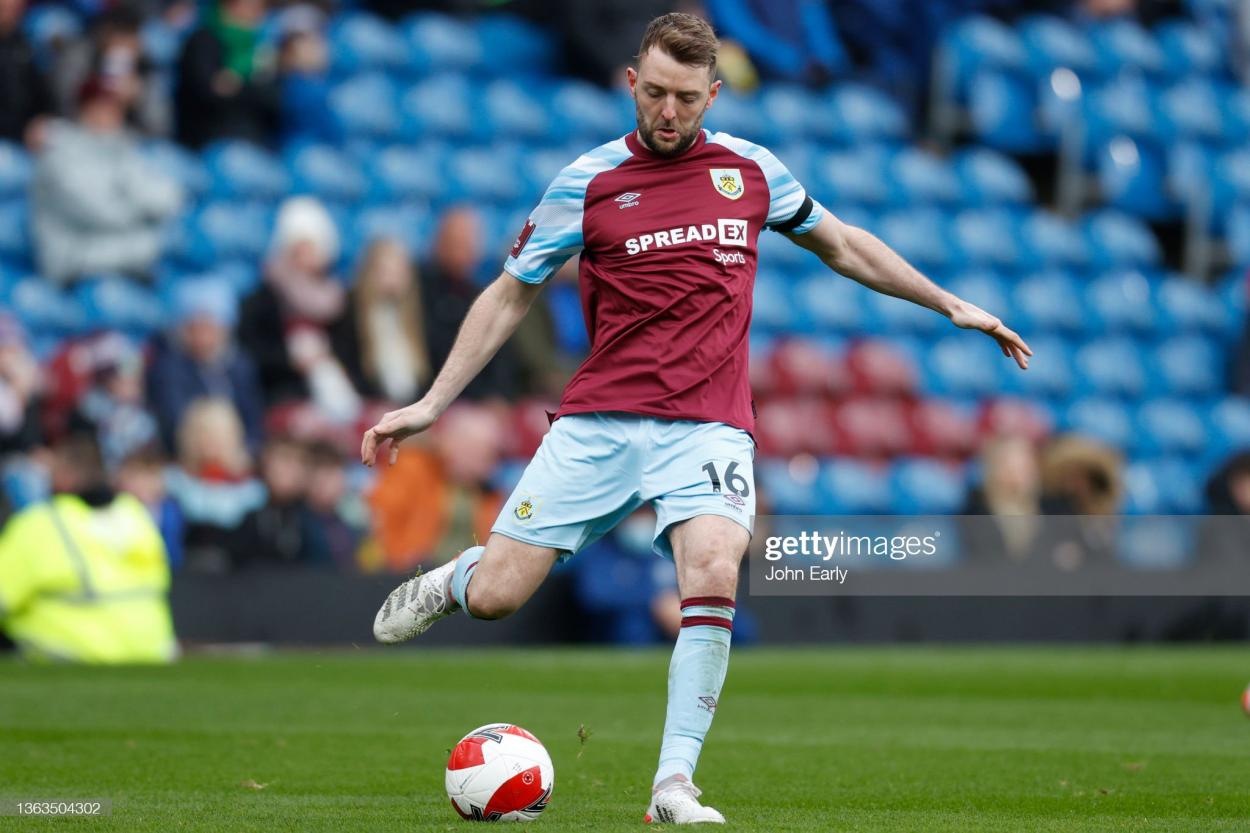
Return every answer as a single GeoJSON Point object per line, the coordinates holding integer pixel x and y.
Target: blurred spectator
{"type": "Point", "coordinates": [200, 360]}
{"type": "Point", "coordinates": [283, 530]}
{"type": "Point", "coordinates": [112, 409]}
{"type": "Point", "coordinates": [434, 502]}
{"type": "Point", "coordinates": [303, 67]}
{"type": "Point", "coordinates": [97, 206]}
{"type": "Point", "coordinates": [449, 286]}
{"type": "Point", "coordinates": [142, 474]}
{"type": "Point", "coordinates": [285, 323]}
{"type": "Point", "coordinates": [19, 390]}
{"type": "Point", "coordinates": [381, 340]}
{"type": "Point", "coordinates": [226, 85]}
{"type": "Point", "coordinates": [24, 94]}
{"type": "Point", "coordinates": [212, 483]}
{"type": "Point", "coordinates": [600, 39]}
{"type": "Point", "coordinates": [83, 576]}
{"type": "Point", "coordinates": [788, 40]}
{"type": "Point", "coordinates": [1011, 492]}
{"type": "Point", "coordinates": [114, 52]}
{"type": "Point", "coordinates": [1222, 536]}
{"type": "Point", "coordinates": [1082, 476]}
{"type": "Point", "coordinates": [334, 521]}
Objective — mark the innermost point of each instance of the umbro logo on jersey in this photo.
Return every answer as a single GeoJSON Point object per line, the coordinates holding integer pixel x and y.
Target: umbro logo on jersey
{"type": "Point", "coordinates": [725, 232]}
{"type": "Point", "coordinates": [629, 199]}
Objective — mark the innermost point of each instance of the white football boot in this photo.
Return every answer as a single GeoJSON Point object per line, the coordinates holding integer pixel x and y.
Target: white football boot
{"type": "Point", "coordinates": [415, 605]}
{"type": "Point", "coordinates": [676, 801]}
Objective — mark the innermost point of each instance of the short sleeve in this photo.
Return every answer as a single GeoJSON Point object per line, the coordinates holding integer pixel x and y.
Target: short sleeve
{"type": "Point", "coordinates": [790, 208]}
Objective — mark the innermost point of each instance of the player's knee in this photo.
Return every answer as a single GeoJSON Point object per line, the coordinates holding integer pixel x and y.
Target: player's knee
{"type": "Point", "coordinates": [487, 602]}
{"type": "Point", "coordinates": [711, 573]}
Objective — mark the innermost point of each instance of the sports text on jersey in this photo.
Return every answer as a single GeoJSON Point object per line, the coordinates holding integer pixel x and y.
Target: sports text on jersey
{"type": "Point", "coordinates": [725, 232]}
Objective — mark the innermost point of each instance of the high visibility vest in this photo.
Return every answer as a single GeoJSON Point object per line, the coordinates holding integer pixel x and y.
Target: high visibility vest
{"type": "Point", "coordinates": [84, 584]}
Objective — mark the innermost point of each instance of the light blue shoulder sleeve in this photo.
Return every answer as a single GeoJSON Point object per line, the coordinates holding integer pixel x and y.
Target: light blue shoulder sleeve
{"type": "Point", "coordinates": [786, 196]}
{"type": "Point", "coordinates": [553, 232]}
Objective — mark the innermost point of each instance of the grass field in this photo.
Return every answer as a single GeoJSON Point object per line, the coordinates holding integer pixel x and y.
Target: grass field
{"type": "Point", "coordinates": [895, 739]}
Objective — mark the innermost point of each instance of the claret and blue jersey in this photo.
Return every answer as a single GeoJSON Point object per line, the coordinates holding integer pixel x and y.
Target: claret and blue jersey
{"type": "Point", "coordinates": [668, 256]}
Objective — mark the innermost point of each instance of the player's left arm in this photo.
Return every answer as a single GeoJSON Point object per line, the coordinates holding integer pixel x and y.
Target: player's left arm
{"type": "Point", "coordinates": [856, 253]}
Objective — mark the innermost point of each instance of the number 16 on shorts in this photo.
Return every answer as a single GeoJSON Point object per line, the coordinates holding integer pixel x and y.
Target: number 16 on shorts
{"type": "Point", "coordinates": [726, 478]}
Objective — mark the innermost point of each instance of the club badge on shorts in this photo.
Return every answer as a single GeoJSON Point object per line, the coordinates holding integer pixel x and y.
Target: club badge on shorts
{"type": "Point", "coordinates": [728, 182]}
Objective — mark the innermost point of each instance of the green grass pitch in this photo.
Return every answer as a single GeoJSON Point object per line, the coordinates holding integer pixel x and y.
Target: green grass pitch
{"type": "Point", "coordinates": [855, 739]}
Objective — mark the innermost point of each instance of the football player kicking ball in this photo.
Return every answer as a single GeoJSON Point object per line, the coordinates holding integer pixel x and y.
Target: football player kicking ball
{"type": "Point", "coordinates": [666, 220]}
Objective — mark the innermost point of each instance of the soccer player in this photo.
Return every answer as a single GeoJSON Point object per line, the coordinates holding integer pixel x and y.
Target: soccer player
{"type": "Point", "coordinates": [666, 221]}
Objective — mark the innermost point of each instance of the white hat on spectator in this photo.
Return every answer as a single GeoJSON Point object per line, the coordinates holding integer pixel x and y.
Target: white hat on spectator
{"type": "Point", "coordinates": [303, 219]}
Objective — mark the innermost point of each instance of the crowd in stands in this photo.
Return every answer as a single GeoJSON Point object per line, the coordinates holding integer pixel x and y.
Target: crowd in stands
{"type": "Point", "coordinates": [234, 412]}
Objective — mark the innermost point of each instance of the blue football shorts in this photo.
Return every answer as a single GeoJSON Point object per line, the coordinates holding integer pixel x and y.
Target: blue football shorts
{"type": "Point", "coordinates": [593, 470]}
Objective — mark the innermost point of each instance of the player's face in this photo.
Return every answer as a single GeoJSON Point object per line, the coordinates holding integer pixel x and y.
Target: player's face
{"type": "Point", "coordinates": [670, 99]}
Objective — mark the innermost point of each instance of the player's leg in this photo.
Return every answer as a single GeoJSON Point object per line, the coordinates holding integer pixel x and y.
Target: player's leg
{"type": "Point", "coordinates": [504, 574]}
{"type": "Point", "coordinates": [704, 518]}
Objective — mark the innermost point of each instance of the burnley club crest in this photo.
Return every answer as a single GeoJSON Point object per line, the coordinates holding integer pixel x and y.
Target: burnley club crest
{"type": "Point", "coordinates": [728, 182]}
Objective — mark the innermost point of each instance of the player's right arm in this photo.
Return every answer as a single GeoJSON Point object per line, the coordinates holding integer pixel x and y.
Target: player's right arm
{"type": "Point", "coordinates": [490, 322]}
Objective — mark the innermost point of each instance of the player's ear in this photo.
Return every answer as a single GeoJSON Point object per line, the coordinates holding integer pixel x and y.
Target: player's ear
{"type": "Point", "coordinates": [711, 96]}
{"type": "Point", "coordinates": [631, 75]}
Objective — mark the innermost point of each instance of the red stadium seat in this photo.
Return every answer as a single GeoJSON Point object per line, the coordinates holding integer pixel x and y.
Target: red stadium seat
{"type": "Point", "coordinates": [1016, 417]}
{"type": "Point", "coordinates": [877, 368]}
{"type": "Point", "coordinates": [786, 427]}
{"type": "Point", "coordinates": [943, 429]}
{"type": "Point", "coordinates": [804, 367]}
{"type": "Point", "coordinates": [875, 427]}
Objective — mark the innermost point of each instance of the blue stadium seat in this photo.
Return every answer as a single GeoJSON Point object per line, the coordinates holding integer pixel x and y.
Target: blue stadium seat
{"type": "Point", "coordinates": [361, 42]}
{"type": "Point", "coordinates": [1050, 375]}
{"type": "Point", "coordinates": [1170, 426]}
{"type": "Point", "coordinates": [1049, 302]}
{"type": "Point", "coordinates": [409, 222]}
{"type": "Point", "coordinates": [48, 26]}
{"type": "Point", "coordinates": [986, 289]}
{"type": "Point", "coordinates": [894, 315]}
{"type": "Point", "coordinates": [1122, 301]}
{"type": "Point", "coordinates": [117, 303]}
{"type": "Point", "coordinates": [1132, 178]}
{"type": "Point", "coordinates": [1191, 109]}
{"type": "Point", "coordinates": [44, 309]}
{"type": "Point", "coordinates": [236, 229]}
{"type": "Point", "coordinates": [176, 161]}
{"type": "Point", "coordinates": [975, 44]}
{"type": "Point", "coordinates": [1101, 419]}
{"type": "Point", "coordinates": [1123, 106]}
{"type": "Point", "coordinates": [1116, 239]}
{"type": "Point", "coordinates": [927, 487]}
{"type": "Point", "coordinates": [589, 112]}
{"type": "Point", "coordinates": [1112, 366]}
{"type": "Point", "coordinates": [1123, 43]}
{"type": "Point", "coordinates": [778, 251]}
{"type": "Point", "coordinates": [525, 45]}
{"type": "Point", "coordinates": [965, 364]}
{"type": "Point", "coordinates": [1002, 108]}
{"type": "Point", "coordinates": [772, 307]}
{"type": "Point", "coordinates": [487, 173]}
{"type": "Point", "coordinates": [15, 241]}
{"type": "Point", "coordinates": [1052, 42]}
{"type": "Point", "coordinates": [1229, 422]}
{"type": "Point", "coordinates": [441, 43]}
{"type": "Point", "coordinates": [987, 237]}
{"type": "Point", "coordinates": [367, 106]}
{"type": "Point", "coordinates": [923, 178]}
{"type": "Point", "coordinates": [992, 178]}
{"type": "Point", "coordinates": [325, 172]}
{"type": "Point", "coordinates": [824, 302]}
{"type": "Point", "coordinates": [797, 113]}
{"type": "Point", "coordinates": [1157, 543]}
{"type": "Point", "coordinates": [407, 172]}
{"type": "Point", "coordinates": [919, 234]}
{"type": "Point", "coordinates": [1188, 49]}
{"type": "Point", "coordinates": [241, 170]}
{"type": "Point", "coordinates": [850, 487]}
{"type": "Point", "coordinates": [15, 170]}
{"type": "Point", "coordinates": [1190, 365]}
{"type": "Point", "coordinates": [788, 488]}
{"type": "Point", "coordinates": [863, 114]}
{"type": "Point", "coordinates": [1185, 305]}
{"type": "Point", "coordinates": [441, 107]}
{"type": "Point", "coordinates": [514, 112]}
{"type": "Point", "coordinates": [740, 115]}
{"type": "Point", "coordinates": [1237, 234]}
{"type": "Point", "coordinates": [857, 176]}
{"type": "Point", "coordinates": [1051, 240]}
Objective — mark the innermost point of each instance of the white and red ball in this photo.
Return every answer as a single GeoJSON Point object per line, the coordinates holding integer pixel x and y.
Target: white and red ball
{"type": "Point", "coordinates": [499, 772]}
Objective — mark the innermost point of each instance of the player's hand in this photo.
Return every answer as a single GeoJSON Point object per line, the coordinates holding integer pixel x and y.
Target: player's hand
{"type": "Point", "coordinates": [395, 427]}
{"type": "Point", "coordinates": [971, 317]}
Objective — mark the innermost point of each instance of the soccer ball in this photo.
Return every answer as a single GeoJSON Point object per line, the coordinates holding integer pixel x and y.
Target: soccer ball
{"type": "Point", "coordinates": [499, 772]}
